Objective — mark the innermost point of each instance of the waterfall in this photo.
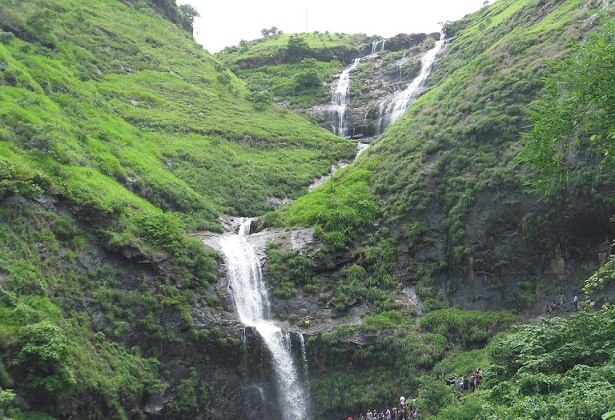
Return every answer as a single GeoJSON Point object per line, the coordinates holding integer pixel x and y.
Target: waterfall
{"type": "Point", "coordinates": [304, 356]}
{"type": "Point", "coordinates": [400, 67]}
{"type": "Point", "coordinates": [249, 294]}
{"type": "Point", "coordinates": [393, 108]}
{"type": "Point", "coordinates": [340, 97]}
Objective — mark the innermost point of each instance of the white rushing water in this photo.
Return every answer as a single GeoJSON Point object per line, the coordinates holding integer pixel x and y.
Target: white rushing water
{"type": "Point", "coordinates": [340, 98]}
{"type": "Point", "coordinates": [251, 300]}
{"type": "Point", "coordinates": [394, 107]}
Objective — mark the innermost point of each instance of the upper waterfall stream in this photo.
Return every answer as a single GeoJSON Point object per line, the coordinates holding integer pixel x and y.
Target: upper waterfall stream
{"type": "Point", "coordinates": [340, 95]}
{"type": "Point", "coordinates": [393, 108]}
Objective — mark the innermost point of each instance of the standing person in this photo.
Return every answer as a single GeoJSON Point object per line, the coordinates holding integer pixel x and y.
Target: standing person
{"type": "Point", "coordinates": [575, 302]}
{"type": "Point", "coordinates": [387, 414]}
{"type": "Point", "coordinates": [478, 376]}
{"type": "Point", "coordinates": [562, 300]}
{"type": "Point", "coordinates": [369, 415]}
{"type": "Point", "coordinates": [402, 401]}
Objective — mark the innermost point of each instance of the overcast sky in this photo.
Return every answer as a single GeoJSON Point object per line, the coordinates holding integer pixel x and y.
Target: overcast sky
{"type": "Point", "coordinates": [226, 22]}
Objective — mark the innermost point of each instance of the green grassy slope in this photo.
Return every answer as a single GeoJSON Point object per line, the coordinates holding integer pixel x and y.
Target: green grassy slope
{"type": "Point", "coordinates": [424, 175]}
{"type": "Point", "coordinates": [296, 69]}
{"type": "Point", "coordinates": [119, 134]}
{"type": "Point", "coordinates": [132, 97]}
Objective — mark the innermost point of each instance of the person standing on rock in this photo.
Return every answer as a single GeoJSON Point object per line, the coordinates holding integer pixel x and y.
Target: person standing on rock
{"type": "Point", "coordinates": [562, 301]}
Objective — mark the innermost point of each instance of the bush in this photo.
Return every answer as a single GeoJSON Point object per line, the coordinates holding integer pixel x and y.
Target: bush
{"type": "Point", "coordinates": [15, 179]}
{"type": "Point", "coordinates": [305, 80]}
{"type": "Point", "coordinates": [466, 327]}
{"type": "Point", "coordinates": [45, 358]}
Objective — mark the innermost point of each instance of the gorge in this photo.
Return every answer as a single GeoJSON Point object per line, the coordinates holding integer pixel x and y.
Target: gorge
{"type": "Point", "coordinates": [124, 146]}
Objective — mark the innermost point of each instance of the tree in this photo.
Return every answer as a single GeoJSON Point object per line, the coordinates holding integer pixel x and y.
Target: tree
{"type": "Point", "coordinates": [271, 31]}
{"type": "Point", "coordinates": [260, 97]}
{"type": "Point", "coordinates": [297, 49]}
{"type": "Point", "coordinates": [306, 80]}
{"type": "Point", "coordinates": [188, 13]}
{"type": "Point", "coordinates": [575, 115]}
{"type": "Point", "coordinates": [46, 359]}
{"type": "Point", "coordinates": [575, 118]}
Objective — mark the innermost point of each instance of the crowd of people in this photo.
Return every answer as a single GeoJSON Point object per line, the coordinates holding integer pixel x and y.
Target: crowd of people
{"type": "Point", "coordinates": [560, 305]}
{"type": "Point", "coordinates": [409, 411]}
{"type": "Point", "coordinates": [401, 412]}
{"type": "Point", "coordinates": [466, 383]}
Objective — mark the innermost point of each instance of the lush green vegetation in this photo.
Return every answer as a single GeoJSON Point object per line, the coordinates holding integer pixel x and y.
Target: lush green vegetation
{"type": "Point", "coordinates": [56, 358]}
{"type": "Point", "coordinates": [562, 368]}
{"type": "Point", "coordinates": [401, 358]}
{"type": "Point", "coordinates": [574, 118]}
{"type": "Point", "coordinates": [118, 135]}
{"type": "Point", "coordinates": [286, 47]}
{"type": "Point", "coordinates": [139, 102]}
{"type": "Point", "coordinates": [458, 141]}
{"type": "Point", "coordinates": [289, 270]}
{"type": "Point", "coordinates": [296, 69]}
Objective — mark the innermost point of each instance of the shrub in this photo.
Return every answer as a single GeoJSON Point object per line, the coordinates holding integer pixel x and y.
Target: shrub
{"type": "Point", "coordinates": [305, 80]}
{"type": "Point", "coordinates": [16, 179]}
{"type": "Point", "coordinates": [466, 327]}
{"type": "Point", "coordinates": [46, 360]}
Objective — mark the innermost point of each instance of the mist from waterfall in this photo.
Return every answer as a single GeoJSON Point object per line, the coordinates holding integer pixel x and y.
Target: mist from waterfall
{"type": "Point", "coordinates": [251, 300]}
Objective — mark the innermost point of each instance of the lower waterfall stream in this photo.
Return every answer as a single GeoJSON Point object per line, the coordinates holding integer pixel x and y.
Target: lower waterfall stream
{"type": "Point", "coordinates": [251, 301]}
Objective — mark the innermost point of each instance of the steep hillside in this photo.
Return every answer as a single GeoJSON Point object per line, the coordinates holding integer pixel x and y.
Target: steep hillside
{"type": "Point", "coordinates": [443, 185]}
{"type": "Point", "coordinates": [121, 140]}
{"type": "Point", "coordinates": [301, 71]}
{"type": "Point", "coordinates": [163, 99]}
{"type": "Point", "coordinates": [438, 213]}
{"type": "Point", "coordinates": [119, 134]}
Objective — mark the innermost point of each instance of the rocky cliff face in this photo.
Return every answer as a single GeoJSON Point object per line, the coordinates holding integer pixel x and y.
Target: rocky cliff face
{"type": "Point", "coordinates": [515, 259]}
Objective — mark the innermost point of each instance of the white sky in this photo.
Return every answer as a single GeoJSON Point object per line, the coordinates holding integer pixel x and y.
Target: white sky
{"type": "Point", "coordinates": [226, 22]}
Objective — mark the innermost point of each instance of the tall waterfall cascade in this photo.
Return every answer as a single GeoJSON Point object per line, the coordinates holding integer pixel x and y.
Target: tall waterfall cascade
{"type": "Point", "coordinates": [393, 108]}
{"type": "Point", "coordinates": [247, 287]}
{"type": "Point", "coordinates": [340, 94]}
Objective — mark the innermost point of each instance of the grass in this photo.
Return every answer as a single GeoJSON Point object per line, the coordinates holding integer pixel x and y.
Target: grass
{"type": "Point", "coordinates": [119, 101]}
{"type": "Point", "coordinates": [133, 136]}
{"type": "Point", "coordinates": [119, 134]}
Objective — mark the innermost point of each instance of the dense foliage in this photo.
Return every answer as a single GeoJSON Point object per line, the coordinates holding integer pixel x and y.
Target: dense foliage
{"type": "Point", "coordinates": [560, 369]}
{"type": "Point", "coordinates": [574, 127]}
{"type": "Point", "coordinates": [296, 69]}
{"type": "Point", "coordinates": [457, 144]}
{"type": "Point", "coordinates": [118, 135]}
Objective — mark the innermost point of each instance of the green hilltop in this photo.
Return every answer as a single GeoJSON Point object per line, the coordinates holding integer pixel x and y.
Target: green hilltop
{"type": "Point", "coordinates": [120, 138]}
